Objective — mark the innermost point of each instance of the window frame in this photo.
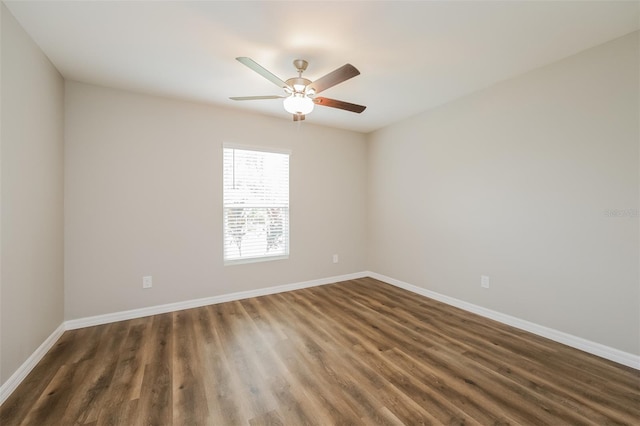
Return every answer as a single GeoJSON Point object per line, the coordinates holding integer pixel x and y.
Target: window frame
{"type": "Point", "coordinates": [262, 258]}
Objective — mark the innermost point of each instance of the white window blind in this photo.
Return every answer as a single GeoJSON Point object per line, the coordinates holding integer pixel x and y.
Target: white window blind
{"type": "Point", "coordinates": [256, 205]}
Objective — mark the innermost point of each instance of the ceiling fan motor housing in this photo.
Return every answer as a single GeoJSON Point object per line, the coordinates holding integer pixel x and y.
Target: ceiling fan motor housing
{"type": "Point", "coordinates": [298, 84]}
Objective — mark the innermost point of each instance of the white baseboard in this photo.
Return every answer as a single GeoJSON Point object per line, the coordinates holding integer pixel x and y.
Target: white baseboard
{"type": "Point", "coordinates": [196, 303]}
{"type": "Point", "coordinates": [598, 349]}
{"type": "Point", "coordinates": [16, 378]}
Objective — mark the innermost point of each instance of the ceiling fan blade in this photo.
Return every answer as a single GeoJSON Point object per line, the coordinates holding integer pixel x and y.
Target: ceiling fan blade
{"type": "Point", "coordinates": [254, 98]}
{"type": "Point", "coordinates": [262, 71]}
{"type": "Point", "coordinates": [343, 73]}
{"type": "Point", "coordinates": [298, 117]}
{"type": "Point", "coordinates": [333, 103]}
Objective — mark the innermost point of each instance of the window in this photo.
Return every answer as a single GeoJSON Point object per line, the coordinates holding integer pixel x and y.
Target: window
{"type": "Point", "coordinates": [256, 204]}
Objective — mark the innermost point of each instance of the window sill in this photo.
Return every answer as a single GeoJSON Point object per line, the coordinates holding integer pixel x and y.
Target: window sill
{"type": "Point", "coordinates": [255, 260]}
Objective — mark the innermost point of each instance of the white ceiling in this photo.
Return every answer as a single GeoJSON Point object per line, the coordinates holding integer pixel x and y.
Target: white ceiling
{"type": "Point", "coordinates": [412, 55]}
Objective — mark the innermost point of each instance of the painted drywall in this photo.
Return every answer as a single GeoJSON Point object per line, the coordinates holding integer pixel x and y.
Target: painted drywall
{"type": "Point", "coordinates": [143, 196]}
{"type": "Point", "coordinates": [32, 138]}
{"type": "Point", "coordinates": [533, 182]}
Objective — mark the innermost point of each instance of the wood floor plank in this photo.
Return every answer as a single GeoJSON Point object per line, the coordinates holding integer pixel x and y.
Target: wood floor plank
{"type": "Point", "coordinates": [99, 378]}
{"type": "Point", "coordinates": [220, 399]}
{"type": "Point", "coordinates": [356, 352]}
{"type": "Point", "coordinates": [190, 402]}
{"type": "Point", "coordinates": [126, 382]}
{"type": "Point", "coordinates": [54, 399]}
{"type": "Point", "coordinates": [311, 359]}
{"type": "Point", "coordinates": [155, 406]}
{"type": "Point", "coordinates": [243, 374]}
{"type": "Point", "coordinates": [308, 373]}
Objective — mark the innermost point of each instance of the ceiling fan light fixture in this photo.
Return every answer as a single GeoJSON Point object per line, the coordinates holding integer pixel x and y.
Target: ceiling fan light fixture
{"type": "Point", "coordinates": [298, 103]}
{"type": "Point", "coordinates": [301, 92]}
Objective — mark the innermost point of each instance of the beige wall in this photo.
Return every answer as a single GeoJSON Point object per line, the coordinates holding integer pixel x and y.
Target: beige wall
{"type": "Point", "coordinates": [514, 182]}
{"type": "Point", "coordinates": [143, 194]}
{"type": "Point", "coordinates": [32, 197]}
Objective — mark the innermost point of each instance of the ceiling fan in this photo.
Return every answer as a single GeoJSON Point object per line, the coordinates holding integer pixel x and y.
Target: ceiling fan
{"type": "Point", "coordinates": [300, 92]}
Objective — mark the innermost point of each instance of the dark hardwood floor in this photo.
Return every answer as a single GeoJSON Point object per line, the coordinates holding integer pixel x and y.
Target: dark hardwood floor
{"type": "Point", "coordinates": [356, 352]}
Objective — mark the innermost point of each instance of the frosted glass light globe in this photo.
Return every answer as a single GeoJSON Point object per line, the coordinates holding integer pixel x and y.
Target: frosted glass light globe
{"type": "Point", "coordinates": [298, 103]}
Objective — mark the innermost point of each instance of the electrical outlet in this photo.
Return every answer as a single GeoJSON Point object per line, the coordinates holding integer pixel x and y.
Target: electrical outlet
{"type": "Point", "coordinates": [335, 258]}
{"type": "Point", "coordinates": [147, 282]}
{"type": "Point", "coordinates": [484, 281]}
